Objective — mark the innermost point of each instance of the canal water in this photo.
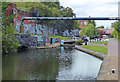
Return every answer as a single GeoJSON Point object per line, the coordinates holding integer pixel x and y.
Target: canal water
{"type": "Point", "coordinates": [50, 64]}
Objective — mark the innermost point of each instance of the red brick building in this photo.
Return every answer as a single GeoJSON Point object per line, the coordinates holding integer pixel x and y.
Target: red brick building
{"type": "Point", "coordinates": [30, 26]}
{"type": "Point", "coordinates": [83, 23]}
{"type": "Point", "coordinates": [105, 31]}
{"type": "Point", "coordinates": [12, 9]}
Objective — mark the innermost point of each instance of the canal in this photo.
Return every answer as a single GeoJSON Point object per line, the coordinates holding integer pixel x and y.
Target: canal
{"type": "Point", "coordinates": [50, 64]}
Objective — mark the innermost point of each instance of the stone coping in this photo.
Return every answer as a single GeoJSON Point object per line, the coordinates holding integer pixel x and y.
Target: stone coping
{"type": "Point", "coordinates": [91, 52]}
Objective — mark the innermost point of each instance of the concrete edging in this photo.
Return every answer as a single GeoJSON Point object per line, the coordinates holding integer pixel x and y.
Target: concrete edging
{"type": "Point", "coordinates": [110, 62]}
{"type": "Point", "coordinates": [91, 52]}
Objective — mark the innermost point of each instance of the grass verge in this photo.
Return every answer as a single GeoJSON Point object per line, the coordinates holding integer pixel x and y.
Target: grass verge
{"type": "Point", "coordinates": [61, 37]}
{"type": "Point", "coordinates": [101, 49]}
{"type": "Point", "coordinates": [100, 42]}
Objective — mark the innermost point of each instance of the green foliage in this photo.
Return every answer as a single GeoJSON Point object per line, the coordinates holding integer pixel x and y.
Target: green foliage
{"type": "Point", "coordinates": [51, 9]}
{"type": "Point", "coordinates": [4, 6]}
{"type": "Point", "coordinates": [101, 49]}
{"type": "Point", "coordinates": [9, 42]}
{"type": "Point", "coordinates": [116, 32]}
{"type": "Point", "coordinates": [52, 4]}
{"type": "Point", "coordinates": [76, 25]}
{"type": "Point", "coordinates": [91, 22]}
{"type": "Point", "coordinates": [83, 32]}
{"type": "Point", "coordinates": [89, 31]}
{"type": "Point", "coordinates": [101, 27]}
{"type": "Point", "coordinates": [7, 19]}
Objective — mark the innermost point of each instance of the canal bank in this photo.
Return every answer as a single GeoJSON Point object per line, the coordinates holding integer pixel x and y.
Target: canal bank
{"type": "Point", "coordinates": [48, 45]}
{"type": "Point", "coordinates": [109, 66]}
{"type": "Point", "coordinates": [91, 52]}
{"type": "Point", "coordinates": [109, 63]}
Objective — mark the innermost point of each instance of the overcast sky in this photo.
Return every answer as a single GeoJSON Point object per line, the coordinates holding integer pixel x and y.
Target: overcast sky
{"type": "Point", "coordinates": [93, 8]}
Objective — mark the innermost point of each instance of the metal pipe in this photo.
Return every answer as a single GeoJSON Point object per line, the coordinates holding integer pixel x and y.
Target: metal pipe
{"type": "Point", "coordinates": [69, 18]}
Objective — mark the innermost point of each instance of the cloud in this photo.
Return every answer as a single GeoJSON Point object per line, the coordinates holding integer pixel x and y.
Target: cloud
{"type": "Point", "coordinates": [93, 8]}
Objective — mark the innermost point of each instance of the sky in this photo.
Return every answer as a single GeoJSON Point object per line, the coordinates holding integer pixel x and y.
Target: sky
{"type": "Point", "coordinates": [94, 8]}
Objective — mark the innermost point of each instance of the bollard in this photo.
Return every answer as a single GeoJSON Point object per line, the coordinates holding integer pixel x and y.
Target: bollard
{"type": "Point", "coordinates": [62, 42]}
{"type": "Point", "coordinates": [50, 40]}
{"type": "Point", "coordinates": [113, 70]}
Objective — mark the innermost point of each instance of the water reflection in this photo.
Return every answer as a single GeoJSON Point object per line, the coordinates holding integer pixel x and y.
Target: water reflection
{"type": "Point", "coordinates": [83, 67]}
{"type": "Point", "coordinates": [50, 64]}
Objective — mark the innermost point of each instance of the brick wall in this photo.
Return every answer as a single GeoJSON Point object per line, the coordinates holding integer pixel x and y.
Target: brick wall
{"type": "Point", "coordinates": [109, 31]}
{"type": "Point", "coordinates": [11, 9]}
{"type": "Point", "coordinates": [83, 23]}
{"type": "Point", "coordinates": [30, 26]}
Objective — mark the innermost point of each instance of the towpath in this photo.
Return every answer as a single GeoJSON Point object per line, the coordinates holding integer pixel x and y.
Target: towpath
{"type": "Point", "coordinates": [110, 62]}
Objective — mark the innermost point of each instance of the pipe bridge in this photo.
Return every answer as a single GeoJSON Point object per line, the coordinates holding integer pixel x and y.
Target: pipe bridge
{"type": "Point", "coordinates": [69, 18]}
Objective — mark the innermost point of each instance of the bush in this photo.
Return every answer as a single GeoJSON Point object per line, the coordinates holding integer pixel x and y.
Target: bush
{"type": "Point", "coordinates": [9, 42]}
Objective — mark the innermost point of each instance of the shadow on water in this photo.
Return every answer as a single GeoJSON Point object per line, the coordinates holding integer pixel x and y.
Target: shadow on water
{"type": "Point", "coordinates": [50, 64]}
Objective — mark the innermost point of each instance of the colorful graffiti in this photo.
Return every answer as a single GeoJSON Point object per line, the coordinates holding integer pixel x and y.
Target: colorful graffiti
{"type": "Point", "coordinates": [31, 41]}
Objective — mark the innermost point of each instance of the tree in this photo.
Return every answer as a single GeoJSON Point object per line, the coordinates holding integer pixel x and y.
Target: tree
{"type": "Point", "coordinates": [92, 22]}
{"type": "Point", "coordinates": [83, 32]}
{"type": "Point", "coordinates": [51, 9]}
{"type": "Point", "coordinates": [9, 42]}
{"type": "Point", "coordinates": [116, 32]}
{"type": "Point", "coordinates": [4, 6]}
{"type": "Point", "coordinates": [89, 31]}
